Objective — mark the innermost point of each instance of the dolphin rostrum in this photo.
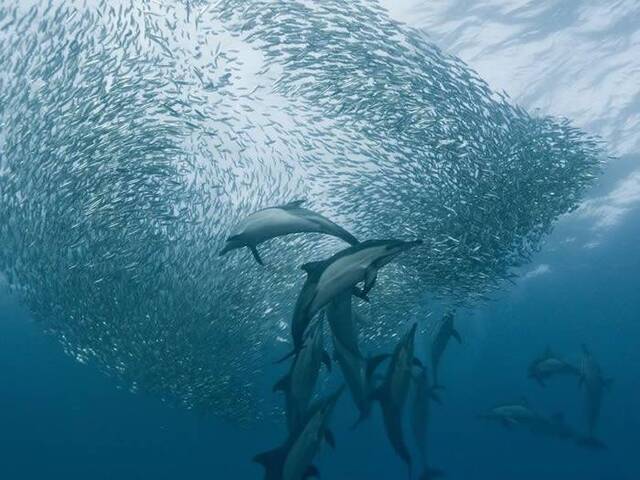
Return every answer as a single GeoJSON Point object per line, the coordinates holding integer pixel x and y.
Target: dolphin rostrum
{"type": "Point", "coordinates": [443, 333]}
{"type": "Point", "coordinates": [338, 274]}
{"type": "Point", "coordinates": [392, 393]}
{"type": "Point", "coordinates": [298, 385]}
{"type": "Point", "coordinates": [594, 383]}
{"type": "Point", "coordinates": [293, 460]}
{"type": "Point", "coordinates": [273, 222]}
{"type": "Point", "coordinates": [549, 365]}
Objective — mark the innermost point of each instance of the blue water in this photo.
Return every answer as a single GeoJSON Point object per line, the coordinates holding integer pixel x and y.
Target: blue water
{"type": "Point", "coordinates": [63, 419]}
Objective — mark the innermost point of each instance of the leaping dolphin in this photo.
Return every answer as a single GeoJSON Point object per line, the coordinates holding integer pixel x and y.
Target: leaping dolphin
{"type": "Point", "coordinates": [298, 385]}
{"type": "Point", "coordinates": [293, 460]}
{"type": "Point", "coordinates": [392, 393]}
{"type": "Point", "coordinates": [445, 330]}
{"type": "Point", "coordinates": [326, 279]}
{"type": "Point", "coordinates": [273, 222]}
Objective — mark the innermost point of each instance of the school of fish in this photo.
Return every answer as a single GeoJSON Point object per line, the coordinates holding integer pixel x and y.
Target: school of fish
{"type": "Point", "coordinates": [135, 136]}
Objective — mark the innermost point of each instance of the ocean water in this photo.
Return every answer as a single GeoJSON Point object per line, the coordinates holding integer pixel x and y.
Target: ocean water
{"type": "Point", "coordinates": [130, 350]}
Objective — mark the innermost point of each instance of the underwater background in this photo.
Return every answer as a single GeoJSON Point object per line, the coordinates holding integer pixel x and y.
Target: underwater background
{"type": "Point", "coordinates": [60, 417]}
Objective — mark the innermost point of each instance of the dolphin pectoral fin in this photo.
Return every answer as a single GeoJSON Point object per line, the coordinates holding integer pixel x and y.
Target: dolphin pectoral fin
{"type": "Point", "coordinates": [455, 334]}
{"type": "Point", "coordinates": [256, 255]}
{"type": "Point", "coordinates": [271, 460]}
{"type": "Point", "coordinates": [373, 363]}
{"type": "Point", "coordinates": [326, 359]}
{"type": "Point", "coordinates": [507, 423]}
{"type": "Point", "coordinates": [370, 277]}
{"type": "Point", "coordinates": [540, 381]}
{"type": "Point", "coordinates": [330, 439]}
{"type": "Point", "coordinates": [282, 384]}
{"type": "Point", "coordinates": [311, 472]}
{"type": "Point", "coordinates": [357, 292]}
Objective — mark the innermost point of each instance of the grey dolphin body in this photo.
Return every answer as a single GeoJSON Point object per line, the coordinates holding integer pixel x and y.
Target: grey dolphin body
{"type": "Point", "coordinates": [273, 222]}
{"type": "Point", "coordinates": [520, 414]}
{"type": "Point", "coordinates": [549, 365]}
{"type": "Point", "coordinates": [299, 384]}
{"type": "Point", "coordinates": [442, 335]}
{"type": "Point", "coordinates": [356, 370]}
{"type": "Point", "coordinates": [341, 273]}
{"type": "Point", "coordinates": [424, 394]}
{"type": "Point", "coordinates": [293, 460]}
{"type": "Point", "coordinates": [392, 393]}
{"type": "Point", "coordinates": [512, 414]}
{"type": "Point", "coordinates": [594, 383]}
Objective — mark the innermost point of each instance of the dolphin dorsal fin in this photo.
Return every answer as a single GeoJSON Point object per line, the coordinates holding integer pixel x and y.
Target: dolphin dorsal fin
{"type": "Point", "coordinates": [524, 401]}
{"type": "Point", "coordinates": [548, 353]}
{"type": "Point", "coordinates": [313, 269]}
{"type": "Point", "coordinates": [293, 204]}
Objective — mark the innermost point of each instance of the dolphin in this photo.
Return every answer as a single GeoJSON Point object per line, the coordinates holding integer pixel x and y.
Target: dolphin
{"type": "Point", "coordinates": [278, 221]}
{"type": "Point", "coordinates": [356, 370]}
{"type": "Point", "coordinates": [549, 365]}
{"type": "Point", "coordinates": [298, 385]}
{"type": "Point", "coordinates": [594, 383]}
{"type": "Point", "coordinates": [293, 460]}
{"type": "Point", "coordinates": [443, 333]}
{"type": "Point", "coordinates": [339, 274]}
{"type": "Point", "coordinates": [424, 394]}
{"type": "Point", "coordinates": [512, 414]}
{"type": "Point", "coordinates": [392, 393]}
{"type": "Point", "coordinates": [520, 414]}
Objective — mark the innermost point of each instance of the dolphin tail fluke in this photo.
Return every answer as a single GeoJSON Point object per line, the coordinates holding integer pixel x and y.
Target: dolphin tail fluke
{"type": "Point", "coordinates": [431, 473]}
{"type": "Point", "coordinates": [455, 334]}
